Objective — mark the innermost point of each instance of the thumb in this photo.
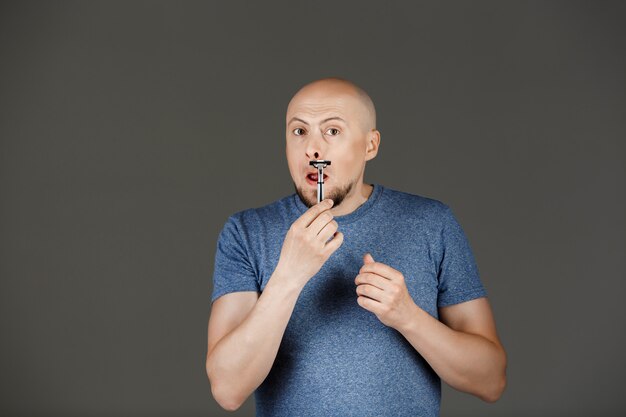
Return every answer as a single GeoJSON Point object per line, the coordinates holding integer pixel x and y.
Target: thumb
{"type": "Point", "coordinates": [368, 259]}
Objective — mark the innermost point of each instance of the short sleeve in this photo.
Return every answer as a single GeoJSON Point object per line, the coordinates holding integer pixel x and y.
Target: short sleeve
{"type": "Point", "coordinates": [233, 270]}
{"type": "Point", "coordinates": [458, 277]}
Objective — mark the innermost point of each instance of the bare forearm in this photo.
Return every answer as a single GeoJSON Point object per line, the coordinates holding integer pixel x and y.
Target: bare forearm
{"type": "Point", "coordinates": [467, 362]}
{"type": "Point", "coordinates": [240, 362]}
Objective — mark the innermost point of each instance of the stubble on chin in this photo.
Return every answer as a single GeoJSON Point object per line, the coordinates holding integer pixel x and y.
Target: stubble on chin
{"type": "Point", "coordinates": [336, 195]}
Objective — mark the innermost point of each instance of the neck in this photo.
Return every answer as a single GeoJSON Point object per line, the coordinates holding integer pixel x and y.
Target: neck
{"type": "Point", "coordinates": [358, 195]}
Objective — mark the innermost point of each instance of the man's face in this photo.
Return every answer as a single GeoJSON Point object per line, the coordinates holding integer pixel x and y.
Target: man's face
{"type": "Point", "coordinates": [326, 123]}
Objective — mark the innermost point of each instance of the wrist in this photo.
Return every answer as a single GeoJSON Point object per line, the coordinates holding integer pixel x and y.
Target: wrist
{"type": "Point", "coordinates": [412, 321]}
{"type": "Point", "coordinates": [286, 281]}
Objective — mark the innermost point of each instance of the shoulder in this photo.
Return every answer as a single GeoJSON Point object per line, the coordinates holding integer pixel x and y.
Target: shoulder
{"type": "Point", "coordinates": [415, 205]}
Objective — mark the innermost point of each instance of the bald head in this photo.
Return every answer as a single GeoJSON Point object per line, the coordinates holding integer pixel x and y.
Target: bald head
{"type": "Point", "coordinates": [342, 89]}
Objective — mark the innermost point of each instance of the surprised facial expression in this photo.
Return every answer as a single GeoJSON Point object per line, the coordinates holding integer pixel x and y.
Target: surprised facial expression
{"type": "Point", "coordinates": [326, 123]}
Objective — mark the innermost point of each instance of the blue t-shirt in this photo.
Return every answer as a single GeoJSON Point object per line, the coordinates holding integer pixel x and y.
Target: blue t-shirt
{"type": "Point", "coordinates": [336, 358]}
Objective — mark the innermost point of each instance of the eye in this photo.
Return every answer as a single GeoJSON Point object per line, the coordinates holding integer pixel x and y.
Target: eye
{"type": "Point", "coordinates": [298, 131]}
{"type": "Point", "coordinates": [332, 131]}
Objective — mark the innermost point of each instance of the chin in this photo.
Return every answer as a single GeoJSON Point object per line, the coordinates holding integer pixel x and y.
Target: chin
{"type": "Point", "coordinates": [309, 197]}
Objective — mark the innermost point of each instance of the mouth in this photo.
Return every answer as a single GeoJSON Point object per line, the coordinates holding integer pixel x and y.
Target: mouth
{"type": "Point", "coordinates": [311, 178]}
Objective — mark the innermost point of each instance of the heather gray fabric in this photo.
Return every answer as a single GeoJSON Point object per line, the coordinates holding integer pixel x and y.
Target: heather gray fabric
{"type": "Point", "coordinates": [336, 358]}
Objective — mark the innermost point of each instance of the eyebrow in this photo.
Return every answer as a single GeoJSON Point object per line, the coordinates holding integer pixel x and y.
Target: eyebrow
{"type": "Point", "coordinates": [294, 119]}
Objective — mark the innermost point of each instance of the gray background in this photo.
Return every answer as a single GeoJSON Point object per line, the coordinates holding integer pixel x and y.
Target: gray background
{"type": "Point", "coordinates": [130, 131]}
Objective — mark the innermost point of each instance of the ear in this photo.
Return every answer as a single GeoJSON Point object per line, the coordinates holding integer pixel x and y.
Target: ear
{"type": "Point", "coordinates": [373, 142]}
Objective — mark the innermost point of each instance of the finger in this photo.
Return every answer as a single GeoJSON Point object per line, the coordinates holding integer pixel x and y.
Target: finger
{"type": "Point", "coordinates": [333, 244]}
{"type": "Point", "coordinates": [368, 304]}
{"type": "Point", "coordinates": [372, 279]}
{"type": "Point", "coordinates": [328, 231]}
{"type": "Point", "coordinates": [312, 213]}
{"type": "Point", "coordinates": [320, 222]}
{"type": "Point", "coordinates": [381, 269]}
{"type": "Point", "coordinates": [370, 291]}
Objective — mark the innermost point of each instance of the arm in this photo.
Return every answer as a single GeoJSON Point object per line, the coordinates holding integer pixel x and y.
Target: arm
{"type": "Point", "coordinates": [463, 348]}
{"type": "Point", "coordinates": [245, 330]}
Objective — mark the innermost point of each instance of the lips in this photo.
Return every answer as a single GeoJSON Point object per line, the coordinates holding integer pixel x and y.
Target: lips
{"type": "Point", "coordinates": [311, 179]}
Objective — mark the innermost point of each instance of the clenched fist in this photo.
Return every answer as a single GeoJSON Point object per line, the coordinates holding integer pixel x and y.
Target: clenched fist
{"type": "Point", "coordinates": [308, 243]}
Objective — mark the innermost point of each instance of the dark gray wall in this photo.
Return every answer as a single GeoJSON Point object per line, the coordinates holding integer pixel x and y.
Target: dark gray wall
{"type": "Point", "coordinates": [130, 131]}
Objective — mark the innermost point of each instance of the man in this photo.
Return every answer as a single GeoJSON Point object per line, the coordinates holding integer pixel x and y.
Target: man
{"type": "Point", "coordinates": [358, 305]}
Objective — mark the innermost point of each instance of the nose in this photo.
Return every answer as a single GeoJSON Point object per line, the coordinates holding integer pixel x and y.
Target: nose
{"type": "Point", "coordinates": [315, 147]}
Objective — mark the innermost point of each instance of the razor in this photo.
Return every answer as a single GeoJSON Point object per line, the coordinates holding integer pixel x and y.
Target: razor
{"type": "Point", "coordinates": [320, 164]}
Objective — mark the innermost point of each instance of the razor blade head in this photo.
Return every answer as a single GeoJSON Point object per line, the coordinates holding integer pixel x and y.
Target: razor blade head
{"type": "Point", "coordinates": [319, 162]}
